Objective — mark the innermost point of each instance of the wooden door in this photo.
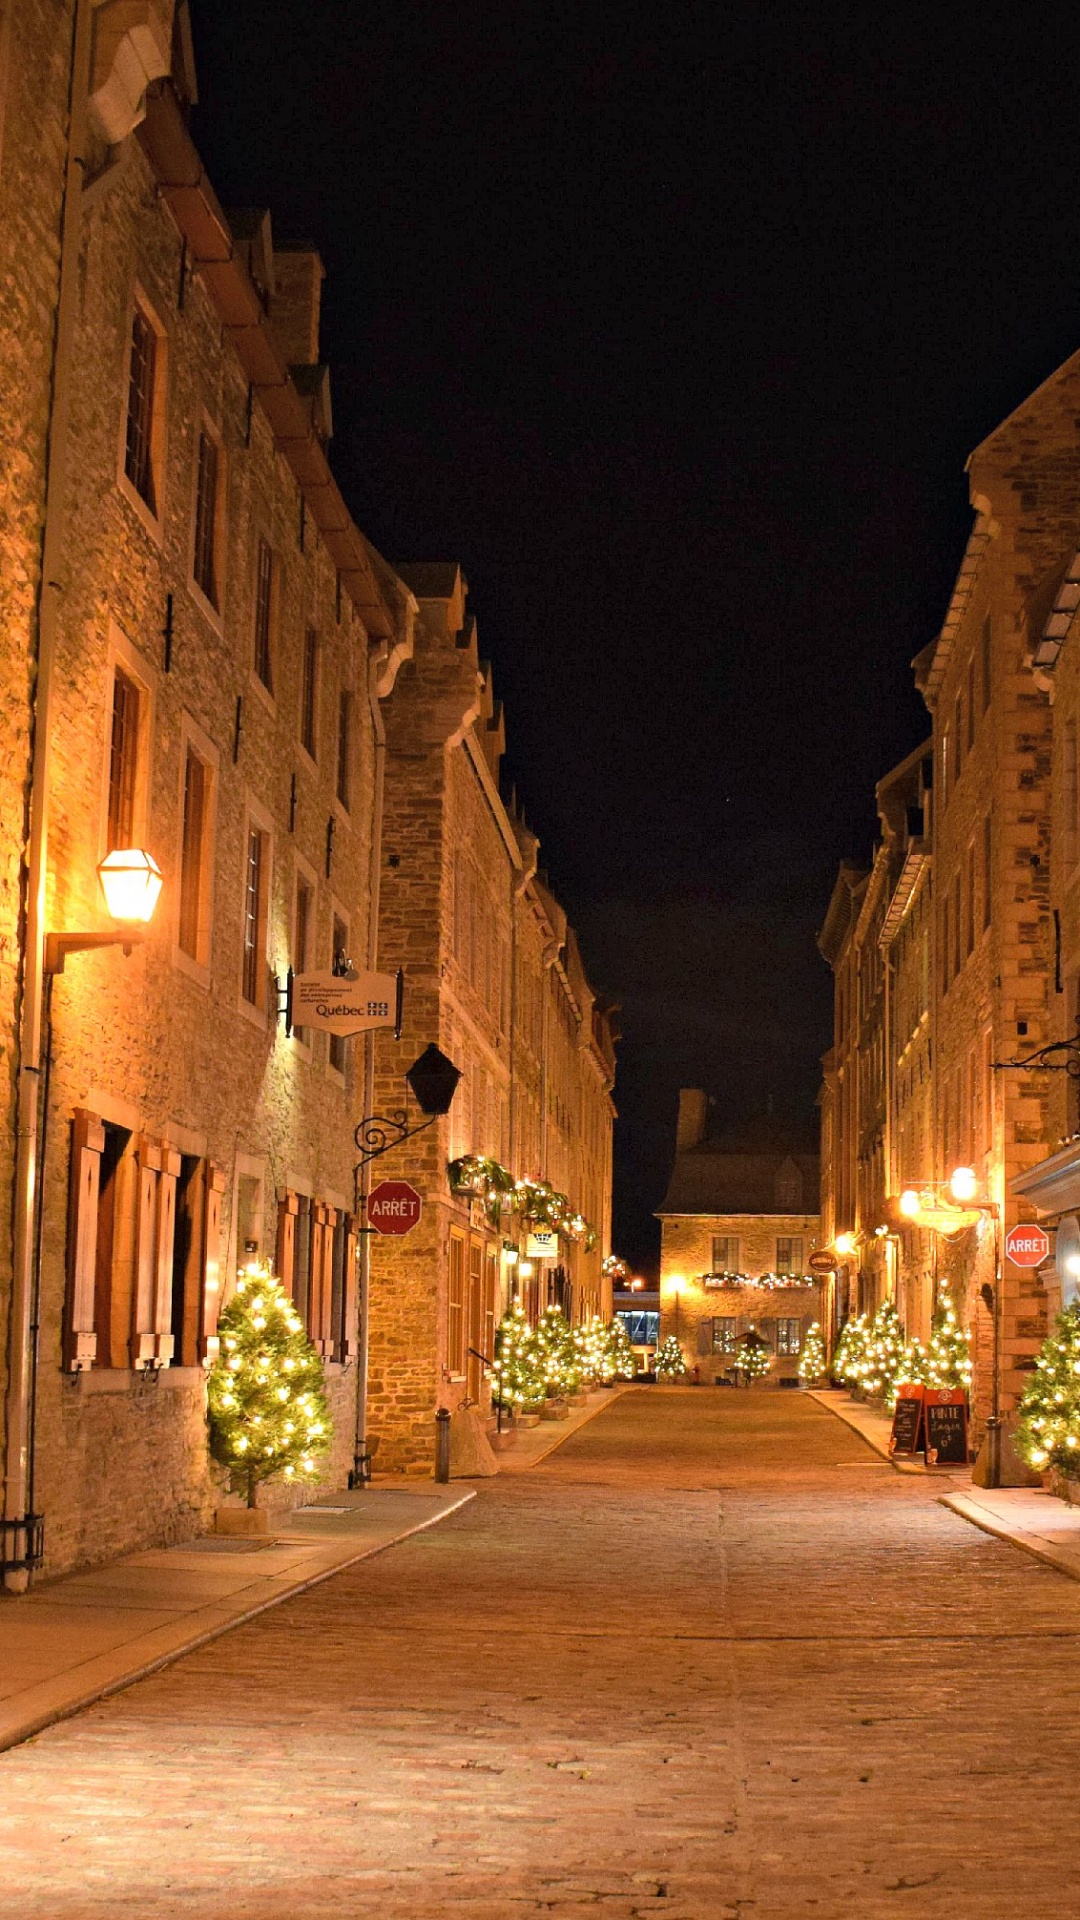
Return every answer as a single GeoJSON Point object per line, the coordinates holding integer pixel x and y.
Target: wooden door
{"type": "Point", "coordinates": [474, 1369]}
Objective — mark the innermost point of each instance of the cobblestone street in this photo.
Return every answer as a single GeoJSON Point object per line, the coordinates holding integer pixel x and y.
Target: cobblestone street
{"type": "Point", "coordinates": [713, 1658]}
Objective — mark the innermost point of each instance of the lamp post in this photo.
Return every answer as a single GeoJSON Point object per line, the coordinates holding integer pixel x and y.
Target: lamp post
{"type": "Point", "coordinates": [130, 882]}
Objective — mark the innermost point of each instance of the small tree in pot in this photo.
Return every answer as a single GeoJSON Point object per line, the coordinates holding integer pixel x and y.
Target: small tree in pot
{"type": "Point", "coordinates": [266, 1403]}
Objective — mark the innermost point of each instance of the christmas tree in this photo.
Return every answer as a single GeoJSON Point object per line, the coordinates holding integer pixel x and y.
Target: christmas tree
{"type": "Point", "coordinates": [752, 1357]}
{"type": "Point", "coordinates": [517, 1376]}
{"type": "Point", "coordinates": [1048, 1432]}
{"type": "Point", "coordinates": [670, 1359]}
{"type": "Point", "coordinates": [592, 1344]}
{"type": "Point", "coordinates": [912, 1371]}
{"type": "Point", "coordinates": [948, 1358]}
{"type": "Point", "coordinates": [882, 1357]}
{"type": "Point", "coordinates": [622, 1351]}
{"type": "Point", "coordinates": [849, 1351]}
{"type": "Point", "coordinates": [559, 1360]}
{"type": "Point", "coordinates": [812, 1366]}
{"type": "Point", "coordinates": [265, 1400]}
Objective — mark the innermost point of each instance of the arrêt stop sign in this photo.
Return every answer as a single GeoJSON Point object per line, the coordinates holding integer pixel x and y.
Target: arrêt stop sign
{"type": "Point", "coordinates": [394, 1207]}
{"type": "Point", "coordinates": [1027, 1246]}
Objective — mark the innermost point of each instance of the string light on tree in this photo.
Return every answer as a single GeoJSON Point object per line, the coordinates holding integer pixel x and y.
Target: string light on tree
{"type": "Point", "coordinates": [1048, 1431]}
{"type": "Point", "coordinates": [752, 1357]}
{"type": "Point", "coordinates": [266, 1402]}
{"type": "Point", "coordinates": [670, 1359]}
{"type": "Point", "coordinates": [850, 1351]}
{"type": "Point", "coordinates": [622, 1350]}
{"type": "Point", "coordinates": [518, 1374]}
{"type": "Point", "coordinates": [812, 1363]}
{"type": "Point", "coordinates": [882, 1358]}
{"type": "Point", "coordinates": [948, 1358]}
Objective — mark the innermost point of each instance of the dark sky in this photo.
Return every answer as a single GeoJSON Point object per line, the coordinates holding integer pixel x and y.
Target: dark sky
{"type": "Point", "coordinates": [675, 325]}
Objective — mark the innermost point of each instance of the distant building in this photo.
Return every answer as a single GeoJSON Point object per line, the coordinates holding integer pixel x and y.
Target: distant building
{"type": "Point", "coordinates": [739, 1222]}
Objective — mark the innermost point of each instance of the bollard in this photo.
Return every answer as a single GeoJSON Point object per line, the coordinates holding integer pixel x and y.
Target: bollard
{"type": "Point", "coordinates": [442, 1444]}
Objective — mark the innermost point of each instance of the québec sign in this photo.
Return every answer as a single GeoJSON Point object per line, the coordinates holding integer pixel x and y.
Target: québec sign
{"type": "Point", "coordinates": [343, 1006]}
{"type": "Point", "coordinates": [394, 1207]}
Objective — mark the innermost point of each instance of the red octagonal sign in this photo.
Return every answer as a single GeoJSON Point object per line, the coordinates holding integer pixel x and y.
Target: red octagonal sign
{"type": "Point", "coordinates": [1027, 1246]}
{"type": "Point", "coordinates": [394, 1207]}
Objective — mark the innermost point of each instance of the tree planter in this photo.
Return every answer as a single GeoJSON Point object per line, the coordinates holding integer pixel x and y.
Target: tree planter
{"type": "Point", "coordinates": [1064, 1485]}
{"type": "Point", "coordinates": [526, 1420]}
{"type": "Point", "coordinates": [555, 1410]}
{"type": "Point", "coordinates": [241, 1522]}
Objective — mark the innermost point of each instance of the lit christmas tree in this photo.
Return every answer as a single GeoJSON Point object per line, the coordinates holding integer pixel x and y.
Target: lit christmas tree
{"type": "Point", "coordinates": [849, 1351]}
{"type": "Point", "coordinates": [670, 1359]}
{"type": "Point", "coordinates": [752, 1357]}
{"type": "Point", "coordinates": [912, 1371]}
{"type": "Point", "coordinates": [812, 1358]}
{"type": "Point", "coordinates": [265, 1399]}
{"type": "Point", "coordinates": [883, 1353]}
{"type": "Point", "coordinates": [559, 1361]}
{"type": "Point", "coordinates": [592, 1344]}
{"type": "Point", "coordinates": [517, 1376]}
{"type": "Point", "coordinates": [948, 1358]}
{"type": "Point", "coordinates": [622, 1351]}
{"type": "Point", "coordinates": [1048, 1432]}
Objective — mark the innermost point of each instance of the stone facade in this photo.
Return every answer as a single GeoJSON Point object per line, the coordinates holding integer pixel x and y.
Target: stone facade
{"type": "Point", "coordinates": [493, 976]}
{"type": "Point", "coordinates": [736, 1213]}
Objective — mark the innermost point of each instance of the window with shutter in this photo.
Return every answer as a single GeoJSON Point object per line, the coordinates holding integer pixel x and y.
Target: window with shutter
{"type": "Point", "coordinates": [344, 1288]}
{"type": "Point", "coordinates": [87, 1145]}
{"type": "Point", "coordinates": [455, 1332]}
{"type": "Point", "coordinates": [211, 1263]}
{"type": "Point", "coordinates": [320, 1292]}
{"type": "Point", "coordinates": [288, 1210]}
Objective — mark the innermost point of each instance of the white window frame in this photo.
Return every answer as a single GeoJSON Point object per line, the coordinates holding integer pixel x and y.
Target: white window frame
{"type": "Point", "coordinates": [257, 817]}
{"type": "Point", "coordinates": [193, 739]}
{"type": "Point", "coordinates": [152, 518]}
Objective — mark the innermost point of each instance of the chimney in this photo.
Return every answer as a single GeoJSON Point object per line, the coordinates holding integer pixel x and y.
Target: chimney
{"type": "Point", "coordinates": [295, 302]}
{"type": "Point", "coordinates": [693, 1112]}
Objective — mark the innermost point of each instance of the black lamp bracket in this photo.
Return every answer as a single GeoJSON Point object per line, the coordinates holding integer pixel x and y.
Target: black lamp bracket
{"type": "Point", "coordinates": [1041, 1062]}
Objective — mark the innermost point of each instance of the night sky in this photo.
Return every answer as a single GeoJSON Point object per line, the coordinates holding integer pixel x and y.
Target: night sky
{"type": "Point", "coordinates": [675, 326]}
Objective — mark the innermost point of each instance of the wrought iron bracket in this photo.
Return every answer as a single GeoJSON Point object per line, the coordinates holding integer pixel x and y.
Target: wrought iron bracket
{"type": "Point", "coordinates": [379, 1133]}
{"type": "Point", "coordinates": [1040, 1062]}
{"type": "Point", "coordinates": [22, 1544]}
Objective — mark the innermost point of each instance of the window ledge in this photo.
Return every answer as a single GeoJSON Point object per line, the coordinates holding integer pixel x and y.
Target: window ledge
{"type": "Point", "coordinates": [206, 607]}
{"type": "Point", "coordinates": [196, 970]}
{"type": "Point", "coordinates": [262, 692]}
{"type": "Point", "coordinates": [256, 1016]}
{"type": "Point", "coordinates": [148, 519]}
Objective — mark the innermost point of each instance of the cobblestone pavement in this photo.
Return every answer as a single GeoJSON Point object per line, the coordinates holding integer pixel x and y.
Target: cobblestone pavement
{"type": "Point", "coordinates": [714, 1659]}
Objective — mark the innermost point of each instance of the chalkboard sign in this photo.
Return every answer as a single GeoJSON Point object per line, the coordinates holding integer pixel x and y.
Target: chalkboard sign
{"type": "Point", "coordinates": [945, 1416]}
{"type": "Point", "coordinates": [907, 1420]}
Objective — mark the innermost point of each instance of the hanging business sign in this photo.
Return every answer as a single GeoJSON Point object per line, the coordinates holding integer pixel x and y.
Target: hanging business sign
{"type": "Point", "coordinates": [337, 1004]}
{"type": "Point", "coordinates": [542, 1244]}
{"type": "Point", "coordinates": [822, 1263]}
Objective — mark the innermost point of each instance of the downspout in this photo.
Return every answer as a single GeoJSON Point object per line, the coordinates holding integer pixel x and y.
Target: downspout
{"type": "Point", "coordinates": [361, 1459]}
{"type": "Point", "coordinates": [19, 1438]}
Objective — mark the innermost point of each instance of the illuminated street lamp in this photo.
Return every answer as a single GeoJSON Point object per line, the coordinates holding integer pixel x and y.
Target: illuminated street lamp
{"type": "Point", "coordinates": [844, 1245]}
{"type": "Point", "coordinates": [130, 883]}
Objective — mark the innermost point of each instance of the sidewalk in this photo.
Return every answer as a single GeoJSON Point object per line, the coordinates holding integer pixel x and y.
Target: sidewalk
{"type": "Point", "coordinates": [526, 1447]}
{"type": "Point", "coordinates": [1032, 1519]}
{"type": "Point", "coordinates": [872, 1424]}
{"type": "Point", "coordinates": [76, 1639]}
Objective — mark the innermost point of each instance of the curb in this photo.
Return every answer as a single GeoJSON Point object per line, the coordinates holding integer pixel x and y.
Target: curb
{"type": "Point", "coordinates": [899, 1466]}
{"type": "Point", "coordinates": [14, 1731]}
{"type": "Point", "coordinates": [523, 1465]}
{"type": "Point", "coordinates": [979, 1516]}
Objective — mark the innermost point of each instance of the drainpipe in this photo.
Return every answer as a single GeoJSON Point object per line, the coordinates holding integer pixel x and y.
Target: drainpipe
{"type": "Point", "coordinates": [361, 1461]}
{"type": "Point", "coordinates": [22, 1313]}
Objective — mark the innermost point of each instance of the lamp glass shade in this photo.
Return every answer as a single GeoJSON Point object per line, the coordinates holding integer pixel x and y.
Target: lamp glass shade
{"type": "Point", "coordinates": [131, 882]}
{"type": "Point", "coordinates": [844, 1243]}
{"type": "Point", "coordinates": [963, 1183]}
{"type": "Point", "coordinates": [910, 1202]}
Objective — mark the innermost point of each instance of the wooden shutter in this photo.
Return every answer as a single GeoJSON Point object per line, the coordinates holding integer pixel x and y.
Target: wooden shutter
{"type": "Point", "coordinates": [348, 1340]}
{"type": "Point", "coordinates": [211, 1257]}
{"type": "Point", "coordinates": [455, 1328]}
{"type": "Point", "coordinates": [320, 1295]}
{"type": "Point", "coordinates": [288, 1208]}
{"type": "Point", "coordinates": [163, 1254]}
{"type": "Point", "coordinates": [87, 1142]}
{"type": "Point", "coordinates": [705, 1336]}
{"type": "Point", "coordinates": [143, 1338]}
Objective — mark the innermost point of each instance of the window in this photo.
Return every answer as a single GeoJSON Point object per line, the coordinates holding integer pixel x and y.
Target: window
{"type": "Point", "coordinates": [264, 616]}
{"type": "Point", "coordinates": [957, 926]}
{"type": "Point", "coordinates": [207, 481]}
{"type": "Point", "coordinates": [339, 1045]}
{"type": "Point", "coordinates": [789, 1338]}
{"type": "Point", "coordinates": [987, 661]}
{"type": "Point", "coordinates": [139, 430]}
{"type": "Point", "coordinates": [344, 751]}
{"type": "Point", "coordinates": [986, 846]}
{"type": "Point", "coordinates": [193, 937]}
{"type": "Point", "coordinates": [970, 705]}
{"type": "Point", "coordinates": [969, 903]}
{"type": "Point", "coordinates": [946, 768]}
{"type": "Point", "coordinates": [725, 1254]}
{"type": "Point", "coordinates": [455, 1319]}
{"type": "Point", "coordinates": [120, 1251]}
{"type": "Point", "coordinates": [123, 761]}
{"type": "Point", "coordinates": [309, 690]}
{"type": "Point", "coordinates": [958, 734]}
{"type": "Point", "coordinates": [789, 1255]}
{"type": "Point", "coordinates": [256, 879]}
{"type": "Point", "coordinates": [249, 1217]}
{"type": "Point", "coordinates": [724, 1336]}
{"type": "Point", "coordinates": [1070, 796]}
{"type": "Point", "coordinates": [196, 1266]}
{"type": "Point", "coordinates": [343, 1315]}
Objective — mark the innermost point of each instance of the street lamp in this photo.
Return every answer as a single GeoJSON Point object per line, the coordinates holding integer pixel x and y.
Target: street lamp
{"type": "Point", "coordinates": [130, 881]}
{"type": "Point", "coordinates": [844, 1245]}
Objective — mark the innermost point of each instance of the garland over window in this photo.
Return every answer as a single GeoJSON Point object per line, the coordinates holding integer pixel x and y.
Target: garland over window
{"type": "Point", "coordinates": [534, 1201]}
{"type": "Point", "coordinates": [771, 1282]}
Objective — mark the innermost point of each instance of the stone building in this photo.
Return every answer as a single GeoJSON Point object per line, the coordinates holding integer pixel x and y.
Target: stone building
{"type": "Point", "coordinates": [211, 649]}
{"type": "Point", "coordinates": [494, 978]}
{"type": "Point", "coordinates": [905, 805]}
{"type": "Point", "coordinates": [739, 1222]}
{"type": "Point", "coordinates": [199, 655]}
